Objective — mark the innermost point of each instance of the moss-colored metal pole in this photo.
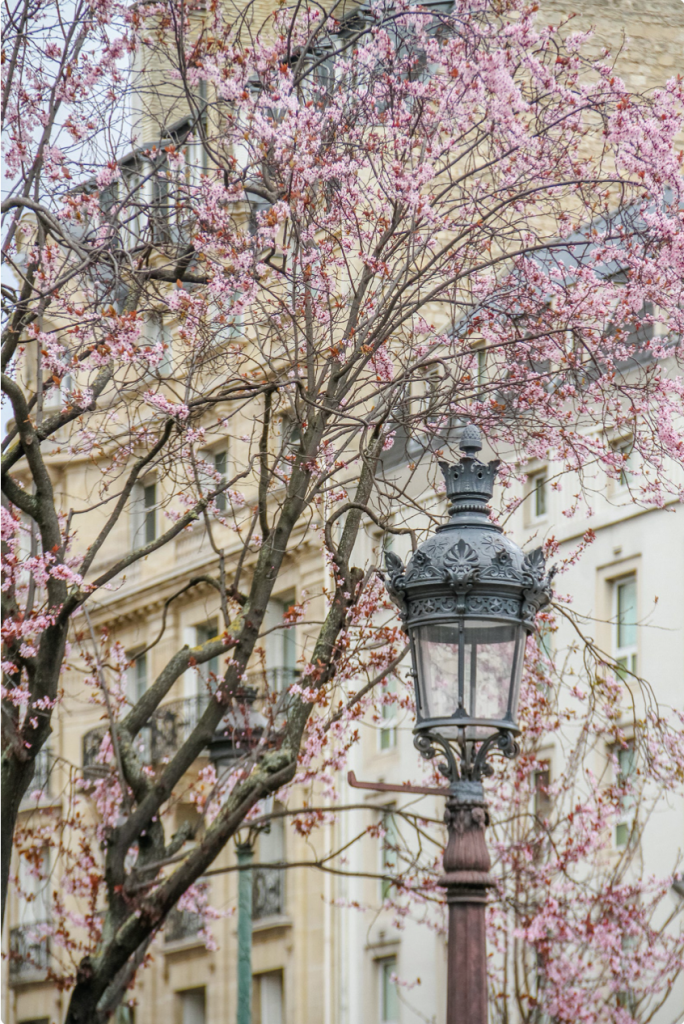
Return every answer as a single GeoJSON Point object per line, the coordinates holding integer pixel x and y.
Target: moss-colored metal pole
{"type": "Point", "coordinates": [245, 853]}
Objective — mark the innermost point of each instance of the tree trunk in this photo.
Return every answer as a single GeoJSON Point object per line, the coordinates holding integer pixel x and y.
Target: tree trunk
{"type": "Point", "coordinates": [16, 778]}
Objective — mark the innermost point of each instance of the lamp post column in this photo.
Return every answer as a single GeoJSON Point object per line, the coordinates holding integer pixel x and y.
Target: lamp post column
{"type": "Point", "coordinates": [466, 880]}
{"type": "Point", "coordinates": [245, 853]}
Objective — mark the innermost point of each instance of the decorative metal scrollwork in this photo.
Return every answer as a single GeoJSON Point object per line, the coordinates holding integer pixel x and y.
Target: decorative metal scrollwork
{"type": "Point", "coordinates": [396, 583]}
{"type": "Point", "coordinates": [430, 745]}
{"type": "Point", "coordinates": [471, 762]}
{"type": "Point", "coordinates": [536, 586]}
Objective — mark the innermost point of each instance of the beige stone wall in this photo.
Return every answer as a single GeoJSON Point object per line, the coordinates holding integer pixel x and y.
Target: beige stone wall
{"type": "Point", "coordinates": [647, 39]}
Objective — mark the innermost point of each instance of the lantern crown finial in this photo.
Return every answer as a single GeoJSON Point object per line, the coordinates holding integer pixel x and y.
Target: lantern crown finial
{"type": "Point", "coordinates": [471, 441]}
{"type": "Point", "coordinates": [470, 483]}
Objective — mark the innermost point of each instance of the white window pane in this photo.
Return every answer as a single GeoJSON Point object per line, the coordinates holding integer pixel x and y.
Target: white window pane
{"type": "Point", "coordinates": [272, 998]}
{"type": "Point", "coordinates": [540, 495]}
{"type": "Point", "coordinates": [34, 885]}
{"type": "Point", "coordinates": [626, 614]}
{"type": "Point", "coordinates": [193, 1007]}
{"type": "Point", "coordinates": [390, 843]}
{"type": "Point", "coordinates": [136, 676]}
{"type": "Point", "coordinates": [280, 647]}
{"type": "Point", "coordinates": [221, 468]}
{"type": "Point", "coordinates": [389, 994]}
{"type": "Point", "coordinates": [150, 506]}
{"type": "Point", "coordinates": [272, 842]}
{"type": "Point", "coordinates": [209, 670]}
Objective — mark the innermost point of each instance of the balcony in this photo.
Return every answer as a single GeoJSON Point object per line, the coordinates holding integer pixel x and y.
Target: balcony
{"type": "Point", "coordinates": [182, 925]}
{"type": "Point", "coordinates": [172, 723]}
{"type": "Point", "coordinates": [29, 953]}
{"type": "Point", "coordinates": [170, 726]}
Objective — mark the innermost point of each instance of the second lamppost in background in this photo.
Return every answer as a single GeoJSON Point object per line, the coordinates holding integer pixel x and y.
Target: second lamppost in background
{"type": "Point", "coordinates": [468, 599]}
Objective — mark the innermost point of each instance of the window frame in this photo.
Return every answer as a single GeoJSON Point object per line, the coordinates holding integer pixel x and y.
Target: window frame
{"type": "Point", "coordinates": [629, 653]}
{"type": "Point", "coordinates": [543, 802]}
{"type": "Point", "coordinates": [624, 822]}
{"type": "Point", "coordinates": [386, 966]}
{"type": "Point", "coordinates": [205, 631]}
{"type": "Point", "coordinates": [140, 513]}
{"type": "Point", "coordinates": [221, 500]}
{"type": "Point", "coordinates": [541, 476]}
{"type": "Point", "coordinates": [387, 733]}
{"type": "Point", "coordinates": [133, 675]}
{"type": "Point", "coordinates": [389, 855]}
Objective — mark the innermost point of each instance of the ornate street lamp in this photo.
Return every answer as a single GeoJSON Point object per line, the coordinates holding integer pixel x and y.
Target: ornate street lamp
{"type": "Point", "coordinates": [468, 599]}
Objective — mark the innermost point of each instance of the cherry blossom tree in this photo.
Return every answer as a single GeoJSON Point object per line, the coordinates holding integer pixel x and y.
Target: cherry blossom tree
{"type": "Point", "coordinates": [327, 239]}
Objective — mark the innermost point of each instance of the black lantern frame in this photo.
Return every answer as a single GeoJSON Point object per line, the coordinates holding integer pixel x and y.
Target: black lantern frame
{"type": "Point", "coordinates": [468, 599]}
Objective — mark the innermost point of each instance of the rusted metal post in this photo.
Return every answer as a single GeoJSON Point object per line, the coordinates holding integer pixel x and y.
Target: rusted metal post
{"type": "Point", "coordinates": [466, 880]}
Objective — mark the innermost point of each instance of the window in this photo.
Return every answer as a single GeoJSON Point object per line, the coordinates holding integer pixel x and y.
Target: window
{"type": "Point", "coordinates": [288, 436]}
{"type": "Point", "coordinates": [388, 729]}
{"type": "Point", "coordinates": [545, 640]}
{"type": "Point", "coordinates": [388, 861]}
{"type": "Point", "coordinates": [424, 394]}
{"type": "Point", "coordinates": [268, 888]}
{"type": "Point", "coordinates": [224, 322]}
{"type": "Point", "coordinates": [212, 473]}
{"type": "Point", "coordinates": [193, 1006]}
{"type": "Point", "coordinates": [29, 947]}
{"type": "Point", "coordinates": [156, 333]}
{"type": "Point", "coordinates": [480, 371]}
{"type": "Point", "coordinates": [56, 394]}
{"type": "Point", "coordinates": [42, 767]}
{"type": "Point", "coordinates": [542, 798]}
{"type": "Point", "coordinates": [124, 1015]}
{"type": "Point", "coordinates": [626, 450]}
{"type": "Point", "coordinates": [150, 507]}
{"type": "Point", "coordinates": [279, 645]}
{"type": "Point", "coordinates": [209, 670]}
{"type": "Point", "coordinates": [143, 514]}
{"type": "Point", "coordinates": [267, 998]}
{"type": "Point", "coordinates": [626, 767]}
{"type": "Point", "coordinates": [136, 676]}
{"type": "Point", "coordinates": [626, 998]}
{"type": "Point", "coordinates": [221, 470]}
{"type": "Point", "coordinates": [389, 995]}
{"type": "Point", "coordinates": [34, 885]}
{"type": "Point", "coordinates": [539, 495]}
{"type": "Point", "coordinates": [625, 617]}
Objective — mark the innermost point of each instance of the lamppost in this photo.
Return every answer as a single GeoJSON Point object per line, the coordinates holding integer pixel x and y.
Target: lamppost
{"type": "Point", "coordinates": [238, 732]}
{"type": "Point", "coordinates": [468, 599]}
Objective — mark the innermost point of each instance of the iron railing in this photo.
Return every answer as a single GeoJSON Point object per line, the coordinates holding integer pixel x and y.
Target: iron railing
{"type": "Point", "coordinates": [170, 726]}
{"type": "Point", "coordinates": [181, 924]}
{"type": "Point", "coordinates": [268, 892]}
{"type": "Point", "coordinates": [29, 952]}
{"type": "Point", "coordinates": [172, 723]}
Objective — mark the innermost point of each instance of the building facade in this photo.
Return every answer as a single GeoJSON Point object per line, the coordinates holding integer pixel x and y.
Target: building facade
{"type": "Point", "coordinates": [316, 958]}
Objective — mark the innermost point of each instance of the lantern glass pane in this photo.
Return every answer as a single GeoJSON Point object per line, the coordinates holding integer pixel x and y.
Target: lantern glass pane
{"type": "Point", "coordinates": [470, 670]}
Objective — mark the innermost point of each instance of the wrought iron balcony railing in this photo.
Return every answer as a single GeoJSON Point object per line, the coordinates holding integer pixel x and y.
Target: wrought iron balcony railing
{"type": "Point", "coordinates": [29, 952]}
{"type": "Point", "coordinates": [181, 925]}
{"type": "Point", "coordinates": [268, 892]}
{"type": "Point", "coordinates": [170, 726]}
{"type": "Point", "coordinates": [172, 723]}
